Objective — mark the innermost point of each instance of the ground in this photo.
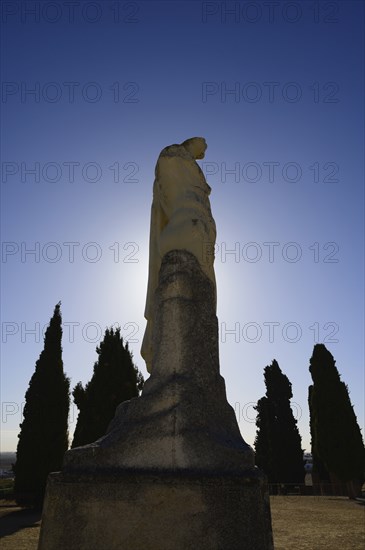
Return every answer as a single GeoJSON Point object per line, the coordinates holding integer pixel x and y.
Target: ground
{"type": "Point", "coordinates": [317, 523]}
{"type": "Point", "coordinates": [19, 528]}
{"type": "Point", "coordinates": [300, 522]}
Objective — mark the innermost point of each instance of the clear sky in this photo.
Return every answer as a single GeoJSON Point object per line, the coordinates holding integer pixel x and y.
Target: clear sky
{"type": "Point", "coordinates": [91, 93]}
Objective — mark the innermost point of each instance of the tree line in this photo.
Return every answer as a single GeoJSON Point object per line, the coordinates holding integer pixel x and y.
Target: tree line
{"type": "Point", "coordinates": [44, 437]}
{"type": "Point", "coordinates": [338, 450]}
{"type": "Point", "coordinates": [337, 445]}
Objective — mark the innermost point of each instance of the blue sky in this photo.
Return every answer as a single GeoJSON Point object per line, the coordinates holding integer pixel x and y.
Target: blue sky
{"type": "Point", "coordinates": [276, 90]}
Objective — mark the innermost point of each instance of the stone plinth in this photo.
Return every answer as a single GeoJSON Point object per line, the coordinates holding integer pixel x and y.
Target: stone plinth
{"type": "Point", "coordinates": [161, 511]}
{"type": "Point", "coordinates": [173, 471]}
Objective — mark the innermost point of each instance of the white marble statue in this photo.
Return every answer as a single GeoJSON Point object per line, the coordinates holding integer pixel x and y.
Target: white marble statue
{"type": "Point", "coordinates": [181, 218]}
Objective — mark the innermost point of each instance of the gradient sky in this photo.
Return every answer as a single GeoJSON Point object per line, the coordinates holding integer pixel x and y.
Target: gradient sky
{"type": "Point", "coordinates": [277, 90]}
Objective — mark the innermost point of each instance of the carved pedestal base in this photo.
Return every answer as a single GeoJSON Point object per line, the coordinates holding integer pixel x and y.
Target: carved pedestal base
{"type": "Point", "coordinates": [162, 511]}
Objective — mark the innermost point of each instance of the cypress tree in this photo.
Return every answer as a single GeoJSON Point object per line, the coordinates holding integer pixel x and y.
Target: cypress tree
{"type": "Point", "coordinates": [336, 436]}
{"type": "Point", "coordinates": [43, 437]}
{"type": "Point", "coordinates": [278, 443]}
{"type": "Point", "coordinates": [320, 473]}
{"type": "Point", "coordinates": [115, 379]}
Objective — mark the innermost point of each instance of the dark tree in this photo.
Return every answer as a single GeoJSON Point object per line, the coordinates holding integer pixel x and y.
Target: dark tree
{"type": "Point", "coordinates": [115, 379]}
{"type": "Point", "coordinates": [320, 473]}
{"type": "Point", "coordinates": [336, 436]}
{"type": "Point", "coordinates": [43, 437]}
{"type": "Point", "coordinates": [278, 443]}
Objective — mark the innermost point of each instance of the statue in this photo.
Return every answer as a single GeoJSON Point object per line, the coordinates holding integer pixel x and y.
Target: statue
{"type": "Point", "coordinates": [175, 455]}
{"type": "Point", "coordinates": [181, 218]}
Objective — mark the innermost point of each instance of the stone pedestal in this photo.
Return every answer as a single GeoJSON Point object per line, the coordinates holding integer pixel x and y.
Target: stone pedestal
{"type": "Point", "coordinates": [161, 511]}
{"type": "Point", "coordinates": [173, 471]}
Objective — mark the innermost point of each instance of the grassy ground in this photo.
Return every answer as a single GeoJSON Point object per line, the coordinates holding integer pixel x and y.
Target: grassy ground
{"type": "Point", "coordinates": [317, 523]}
{"type": "Point", "coordinates": [299, 522]}
{"type": "Point", "coordinates": [19, 528]}
{"type": "Point", "coordinates": [6, 487]}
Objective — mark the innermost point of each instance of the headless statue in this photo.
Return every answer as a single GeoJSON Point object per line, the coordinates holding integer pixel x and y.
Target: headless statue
{"type": "Point", "coordinates": [181, 218]}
